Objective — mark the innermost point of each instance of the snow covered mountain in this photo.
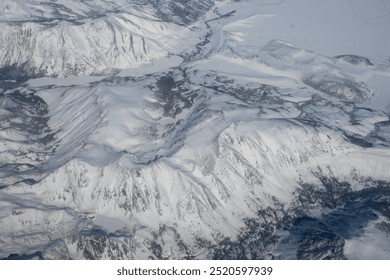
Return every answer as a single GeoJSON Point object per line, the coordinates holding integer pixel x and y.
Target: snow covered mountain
{"type": "Point", "coordinates": [223, 147]}
{"type": "Point", "coordinates": [69, 37]}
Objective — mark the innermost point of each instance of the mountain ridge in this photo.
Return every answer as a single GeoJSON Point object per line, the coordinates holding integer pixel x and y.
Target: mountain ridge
{"type": "Point", "coordinates": [221, 149]}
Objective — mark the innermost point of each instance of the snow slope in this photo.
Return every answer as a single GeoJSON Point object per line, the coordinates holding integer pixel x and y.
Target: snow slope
{"type": "Point", "coordinates": [235, 146]}
{"type": "Point", "coordinates": [330, 28]}
{"type": "Point", "coordinates": [62, 38]}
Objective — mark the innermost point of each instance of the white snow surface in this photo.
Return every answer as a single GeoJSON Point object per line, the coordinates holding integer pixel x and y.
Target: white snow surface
{"type": "Point", "coordinates": [328, 27]}
{"type": "Point", "coordinates": [79, 38]}
{"type": "Point", "coordinates": [126, 163]}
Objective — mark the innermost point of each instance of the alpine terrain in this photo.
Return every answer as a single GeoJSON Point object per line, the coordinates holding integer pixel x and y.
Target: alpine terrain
{"type": "Point", "coordinates": [194, 129]}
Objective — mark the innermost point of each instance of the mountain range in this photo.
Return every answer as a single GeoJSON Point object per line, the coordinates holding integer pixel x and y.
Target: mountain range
{"type": "Point", "coordinates": [187, 130]}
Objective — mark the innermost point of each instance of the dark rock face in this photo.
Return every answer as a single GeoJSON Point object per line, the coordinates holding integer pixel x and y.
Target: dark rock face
{"type": "Point", "coordinates": [355, 59]}
{"type": "Point", "coordinates": [342, 87]}
{"type": "Point", "coordinates": [34, 256]}
{"type": "Point", "coordinates": [183, 11]}
{"type": "Point", "coordinates": [315, 240]}
{"type": "Point", "coordinates": [17, 73]}
{"type": "Point", "coordinates": [345, 214]}
{"type": "Point", "coordinates": [24, 114]}
{"type": "Point", "coordinates": [173, 95]}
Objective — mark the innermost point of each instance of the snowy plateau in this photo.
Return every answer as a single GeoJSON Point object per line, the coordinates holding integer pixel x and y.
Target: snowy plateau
{"type": "Point", "coordinates": [194, 129]}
